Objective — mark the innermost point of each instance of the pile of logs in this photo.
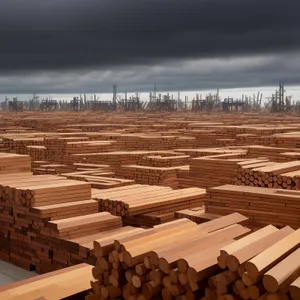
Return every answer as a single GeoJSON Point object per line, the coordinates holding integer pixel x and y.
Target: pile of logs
{"type": "Point", "coordinates": [137, 202]}
{"type": "Point", "coordinates": [148, 265]}
{"type": "Point", "coordinates": [261, 205]}
{"type": "Point", "coordinates": [211, 261]}
{"type": "Point", "coordinates": [269, 174]}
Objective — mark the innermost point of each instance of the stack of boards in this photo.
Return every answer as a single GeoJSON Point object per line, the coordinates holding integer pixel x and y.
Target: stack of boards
{"type": "Point", "coordinates": [269, 174]}
{"type": "Point", "coordinates": [196, 214]}
{"type": "Point", "coordinates": [165, 161]}
{"type": "Point", "coordinates": [209, 171]}
{"type": "Point", "coordinates": [155, 142]}
{"type": "Point", "coordinates": [39, 213]}
{"type": "Point", "coordinates": [115, 159]}
{"type": "Point", "coordinates": [14, 163]}
{"type": "Point", "coordinates": [51, 286]}
{"type": "Point", "coordinates": [61, 149]}
{"type": "Point", "coordinates": [217, 260]}
{"type": "Point", "coordinates": [145, 205]}
{"type": "Point", "coordinates": [137, 265]}
{"type": "Point", "coordinates": [261, 205]}
{"type": "Point", "coordinates": [100, 179]}
{"type": "Point", "coordinates": [273, 153]}
{"type": "Point", "coordinates": [150, 175]}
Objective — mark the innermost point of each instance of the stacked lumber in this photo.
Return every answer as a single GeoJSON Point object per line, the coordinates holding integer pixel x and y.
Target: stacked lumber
{"type": "Point", "coordinates": [37, 153]}
{"type": "Point", "coordinates": [135, 200]}
{"type": "Point", "coordinates": [247, 139]}
{"type": "Point", "coordinates": [89, 224]}
{"type": "Point", "coordinates": [14, 163]}
{"type": "Point", "coordinates": [206, 137]}
{"type": "Point", "coordinates": [212, 152]}
{"type": "Point", "coordinates": [51, 168]}
{"type": "Point", "coordinates": [165, 161]}
{"type": "Point", "coordinates": [117, 158]}
{"type": "Point", "coordinates": [149, 220]}
{"type": "Point", "coordinates": [18, 143]}
{"type": "Point", "coordinates": [209, 171]}
{"type": "Point", "coordinates": [196, 214]}
{"type": "Point", "coordinates": [29, 191]}
{"type": "Point", "coordinates": [272, 153]}
{"type": "Point", "coordinates": [99, 179]}
{"type": "Point", "coordinates": [40, 215]}
{"type": "Point", "coordinates": [147, 266]}
{"type": "Point", "coordinates": [91, 167]}
{"type": "Point", "coordinates": [80, 249]}
{"type": "Point", "coordinates": [269, 174]}
{"type": "Point", "coordinates": [155, 142]}
{"type": "Point", "coordinates": [69, 282]}
{"type": "Point", "coordinates": [288, 140]}
{"type": "Point", "coordinates": [262, 206]}
{"type": "Point", "coordinates": [61, 149]}
{"type": "Point", "coordinates": [225, 142]}
{"type": "Point", "coordinates": [150, 175]}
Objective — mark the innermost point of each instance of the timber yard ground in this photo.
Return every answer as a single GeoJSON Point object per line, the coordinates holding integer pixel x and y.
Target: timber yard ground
{"type": "Point", "coordinates": [125, 205]}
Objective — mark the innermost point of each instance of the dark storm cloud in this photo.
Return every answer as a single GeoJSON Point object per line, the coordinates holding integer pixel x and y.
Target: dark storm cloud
{"type": "Point", "coordinates": [93, 34]}
{"type": "Point", "coordinates": [183, 75]}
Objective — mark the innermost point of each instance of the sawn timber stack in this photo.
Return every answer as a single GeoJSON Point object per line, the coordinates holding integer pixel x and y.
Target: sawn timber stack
{"type": "Point", "coordinates": [135, 200]}
{"type": "Point", "coordinates": [261, 205]}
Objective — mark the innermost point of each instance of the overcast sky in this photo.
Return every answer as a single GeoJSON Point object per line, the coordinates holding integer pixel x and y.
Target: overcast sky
{"type": "Point", "coordinates": [86, 46]}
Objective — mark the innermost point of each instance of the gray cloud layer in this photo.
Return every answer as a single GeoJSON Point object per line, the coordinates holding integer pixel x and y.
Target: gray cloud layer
{"type": "Point", "coordinates": [182, 75]}
{"type": "Point", "coordinates": [87, 45]}
{"type": "Point", "coordinates": [56, 34]}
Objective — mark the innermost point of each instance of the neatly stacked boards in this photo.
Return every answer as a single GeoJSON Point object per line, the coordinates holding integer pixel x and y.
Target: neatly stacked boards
{"type": "Point", "coordinates": [196, 214]}
{"type": "Point", "coordinates": [145, 266]}
{"type": "Point", "coordinates": [211, 171]}
{"type": "Point", "coordinates": [262, 206]}
{"type": "Point", "coordinates": [117, 158]}
{"type": "Point", "coordinates": [18, 143]}
{"type": "Point", "coordinates": [137, 202]}
{"type": "Point", "coordinates": [38, 214]}
{"type": "Point", "coordinates": [69, 282]}
{"type": "Point", "coordinates": [155, 142]}
{"type": "Point", "coordinates": [150, 175]}
{"type": "Point", "coordinates": [165, 161]}
{"type": "Point", "coordinates": [272, 153]}
{"type": "Point", "coordinates": [269, 174]}
{"type": "Point", "coordinates": [28, 191]}
{"type": "Point", "coordinates": [14, 163]}
{"type": "Point", "coordinates": [99, 179]}
{"type": "Point", "coordinates": [53, 169]}
{"type": "Point", "coordinates": [61, 149]}
{"type": "Point", "coordinates": [37, 153]}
